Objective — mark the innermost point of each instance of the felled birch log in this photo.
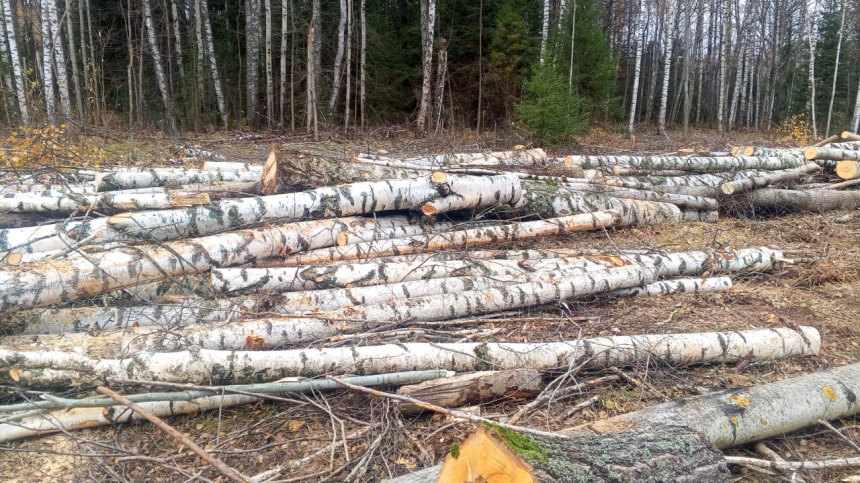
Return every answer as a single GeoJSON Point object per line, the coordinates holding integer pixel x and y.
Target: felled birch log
{"type": "Point", "coordinates": [768, 179]}
{"type": "Point", "coordinates": [669, 287]}
{"type": "Point", "coordinates": [832, 154]}
{"type": "Point", "coordinates": [668, 453]}
{"type": "Point", "coordinates": [94, 319]}
{"type": "Point", "coordinates": [850, 136]}
{"type": "Point", "coordinates": [22, 220]}
{"type": "Point", "coordinates": [772, 152]}
{"type": "Point", "coordinates": [327, 202]}
{"type": "Point", "coordinates": [458, 239]}
{"type": "Point", "coordinates": [105, 201]}
{"type": "Point", "coordinates": [832, 139]}
{"type": "Point", "coordinates": [526, 157]}
{"type": "Point", "coordinates": [547, 200]}
{"type": "Point", "coordinates": [389, 233]}
{"type": "Point", "coordinates": [782, 200]}
{"type": "Point", "coordinates": [473, 388]}
{"type": "Point", "coordinates": [278, 332]}
{"type": "Point", "coordinates": [502, 190]}
{"type": "Point", "coordinates": [706, 185]}
{"type": "Point", "coordinates": [628, 171]}
{"type": "Point", "coordinates": [306, 172]}
{"type": "Point", "coordinates": [848, 169]}
{"type": "Point", "coordinates": [742, 415]}
{"type": "Point", "coordinates": [231, 166]}
{"type": "Point", "coordinates": [123, 178]}
{"type": "Point", "coordinates": [682, 201]}
{"type": "Point", "coordinates": [701, 216]}
{"type": "Point", "coordinates": [694, 163]}
{"type": "Point", "coordinates": [174, 403]}
{"type": "Point", "coordinates": [849, 145]}
{"type": "Point", "coordinates": [45, 369]}
{"type": "Point", "coordinates": [39, 188]}
{"type": "Point", "coordinates": [51, 281]}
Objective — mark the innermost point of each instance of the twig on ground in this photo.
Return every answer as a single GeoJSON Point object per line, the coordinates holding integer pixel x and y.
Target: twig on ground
{"type": "Point", "coordinates": [559, 394]}
{"type": "Point", "coordinates": [580, 406]}
{"type": "Point", "coordinates": [794, 465]}
{"type": "Point", "coordinates": [213, 461]}
{"type": "Point", "coordinates": [636, 381]}
{"type": "Point", "coordinates": [840, 435]}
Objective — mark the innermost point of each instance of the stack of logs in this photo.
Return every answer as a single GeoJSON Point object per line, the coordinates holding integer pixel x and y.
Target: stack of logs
{"type": "Point", "coordinates": [243, 274]}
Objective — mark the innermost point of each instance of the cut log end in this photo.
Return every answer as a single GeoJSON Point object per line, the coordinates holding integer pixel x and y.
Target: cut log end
{"type": "Point", "coordinates": [14, 258]}
{"type": "Point", "coordinates": [428, 209]}
{"type": "Point", "coordinates": [342, 239]}
{"type": "Point", "coordinates": [483, 458]}
{"type": "Point", "coordinates": [850, 136]}
{"type": "Point", "coordinates": [269, 181]}
{"type": "Point", "coordinates": [728, 188]}
{"type": "Point", "coordinates": [810, 153]}
{"type": "Point", "coordinates": [848, 169]}
{"type": "Point", "coordinates": [749, 150]}
{"type": "Point", "coordinates": [120, 218]}
{"type": "Point", "coordinates": [178, 200]}
{"type": "Point", "coordinates": [438, 177]}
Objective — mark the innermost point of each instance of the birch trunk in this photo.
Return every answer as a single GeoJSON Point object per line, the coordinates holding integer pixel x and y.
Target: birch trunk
{"type": "Point", "coordinates": [813, 40]}
{"type": "Point", "coordinates": [252, 62]}
{"type": "Point", "coordinates": [363, 66]}
{"type": "Point", "coordinates": [17, 70]}
{"type": "Point", "coordinates": [690, 163]}
{"type": "Point", "coordinates": [201, 65]}
{"type": "Point", "coordinates": [47, 69]}
{"type": "Point", "coordinates": [776, 177]}
{"type": "Point", "coordinates": [428, 20]}
{"type": "Point", "coordinates": [546, 201]}
{"type": "Point", "coordinates": [667, 65]}
{"type": "Point", "coordinates": [544, 37]}
{"type": "Point", "coordinates": [848, 169]}
{"type": "Point", "coordinates": [177, 33]}
{"type": "Point", "coordinates": [338, 58]}
{"type": "Point", "coordinates": [637, 70]}
{"type": "Point", "coordinates": [767, 152]}
{"type": "Point", "coordinates": [213, 64]}
{"type": "Point", "coordinates": [327, 202]}
{"type": "Point", "coordinates": [8, 85]}
{"type": "Point", "coordinates": [721, 107]}
{"type": "Point", "coordinates": [835, 70]}
{"type": "Point", "coordinates": [832, 154]}
{"type": "Point", "coordinates": [311, 114]}
{"type": "Point", "coordinates": [106, 201]}
{"type": "Point", "coordinates": [741, 53]}
{"type": "Point", "coordinates": [458, 239]}
{"type": "Point", "coordinates": [76, 74]}
{"type": "Point", "coordinates": [781, 200]}
{"type": "Point", "coordinates": [850, 145]}
{"type": "Point", "coordinates": [59, 59]}
{"type": "Point", "coordinates": [131, 178]}
{"type": "Point", "coordinates": [44, 283]}
{"type": "Point", "coordinates": [441, 73]}
{"type": "Point", "coordinates": [43, 368]}
{"type": "Point", "coordinates": [348, 75]}
{"type": "Point", "coordinates": [270, 79]}
{"type": "Point", "coordinates": [94, 319]}
{"type": "Point", "coordinates": [670, 287]}
{"type": "Point", "coordinates": [282, 104]}
{"type": "Point", "coordinates": [682, 201]}
{"type": "Point", "coordinates": [486, 193]}
{"type": "Point", "coordinates": [159, 69]}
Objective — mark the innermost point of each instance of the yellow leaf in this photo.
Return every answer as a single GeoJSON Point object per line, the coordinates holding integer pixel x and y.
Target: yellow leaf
{"type": "Point", "coordinates": [830, 393]}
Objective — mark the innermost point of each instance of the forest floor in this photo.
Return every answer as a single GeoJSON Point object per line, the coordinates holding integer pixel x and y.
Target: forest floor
{"type": "Point", "coordinates": [254, 438]}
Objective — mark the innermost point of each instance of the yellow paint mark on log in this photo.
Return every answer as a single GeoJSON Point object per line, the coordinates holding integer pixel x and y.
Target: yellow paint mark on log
{"type": "Point", "coordinates": [763, 422]}
{"type": "Point", "coordinates": [735, 420]}
{"type": "Point", "coordinates": [830, 393]}
{"type": "Point", "coordinates": [740, 400]}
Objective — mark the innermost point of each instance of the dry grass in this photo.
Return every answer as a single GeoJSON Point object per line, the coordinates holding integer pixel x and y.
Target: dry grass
{"type": "Point", "coordinates": [260, 436]}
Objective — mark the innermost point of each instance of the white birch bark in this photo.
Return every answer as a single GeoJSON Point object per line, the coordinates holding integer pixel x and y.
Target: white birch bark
{"type": "Point", "coordinates": [544, 36]}
{"type": "Point", "coordinates": [389, 233]}
{"type": "Point", "coordinates": [458, 239]}
{"type": "Point", "coordinates": [757, 412]}
{"type": "Point", "coordinates": [667, 66]}
{"type": "Point", "coordinates": [47, 69]}
{"type": "Point", "coordinates": [813, 41]}
{"type": "Point", "coordinates": [815, 201]}
{"type": "Point", "coordinates": [94, 319]}
{"type": "Point", "coordinates": [689, 163]}
{"type": "Point", "coordinates": [768, 152]}
{"type": "Point", "coordinates": [177, 33]}
{"type": "Point", "coordinates": [363, 66]}
{"type": "Point", "coordinates": [252, 55]}
{"type": "Point", "coordinates": [637, 69]}
{"type": "Point", "coordinates": [39, 202]}
{"type": "Point", "coordinates": [231, 166]}
{"type": "Point", "coordinates": [59, 59]}
{"type": "Point", "coordinates": [326, 202]}
{"type": "Point", "coordinates": [832, 154]}
{"type": "Point", "coordinates": [131, 178]}
{"type": "Point", "coordinates": [835, 70]}
{"type": "Point", "coordinates": [312, 67]}
{"type": "Point", "coordinates": [201, 64]}
{"type": "Point", "coordinates": [671, 287]}
{"type": "Point", "coordinates": [547, 200]}
{"type": "Point", "coordinates": [700, 216]}
{"type": "Point", "coordinates": [44, 283]}
{"type": "Point", "coordinates": [8, 85]}
{"type": "Point", "coordinates": [270, 78]}
{"type": "Point", "coordinates": [44, 368]}
{"type": "Point", "coordinates": [851, 145]}
{"type": "Point", "coordinates": [682, 201]}
{"type": "Point", "coordinates": [17, 70]}
{"type": "Point", "coordinates": [348, 75]}
{"type": "Point", "coordinates": [776, 177]}
{"type": "Point", "coordinates": [338, 58]}
{"type": "Point", "coordinates": [721, 107]}
{"type": "Point", "coordinates": [498, 191]}
{"type": "Point", "coordinates": [741, 54]}
{"type": "Point", "coordinates": [76, 74]}
{"type": "Point", "coordinates": [441, 73]}
{"type": "Point", "coordinates": [160, 76]}
{"type": "Point", "coordinates": [213, 64]}
{"type": "Point", "coordinates": [428, 20]}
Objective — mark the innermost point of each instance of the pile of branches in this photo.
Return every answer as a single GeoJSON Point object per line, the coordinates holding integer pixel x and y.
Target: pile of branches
{"type": "Point", "coordinates": [225, 280]}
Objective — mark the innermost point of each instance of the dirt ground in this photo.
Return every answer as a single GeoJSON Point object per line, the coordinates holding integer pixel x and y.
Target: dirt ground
{"type": "Point", "coordinates": [254, 438]}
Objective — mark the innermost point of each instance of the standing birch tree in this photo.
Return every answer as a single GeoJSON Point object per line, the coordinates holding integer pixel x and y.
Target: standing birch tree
{"type": "Point", "coordinates": [667, 66]}
{"type": "Point", "coordinates": [428, 21]}
{"type": "Point", "coordinates": [252, 62]}
{"type": "Point", "coordinates": [338, 59]}
{"type": "Point", "coordinates": [637, 69]}
{"type": "Point", "coordinates": [160, 76]}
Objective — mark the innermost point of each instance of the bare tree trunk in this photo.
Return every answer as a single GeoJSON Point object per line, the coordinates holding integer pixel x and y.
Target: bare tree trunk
{"type": "Point", "coordinates": [283, 92]}
{"type": "Point", "coordinates": [201, 67]}
{"type": "Point", "coordinates": [252, 60]}
{"type": "Point", "coordinates": [741, 49]}
{"type": "Point", "coordinates": [18, 72]}
{"type": "Point", "coordinates": [47, 72]}
{"type": "Point", "coordinates": [667, 65]}
{"type": "Point", "coordinates": [76, 74]}
{"type": "Point", "coordinates": [311, 78]}
{"type": "Point", "coordinates": [213, 64]}
{"type": "Point", "coordinates": [292, 70]}
{"type": "Point", "coordinates": [544, 37]}
{"type": "Point", "coordinates": [813, 40]}
{"type": "Point", "coordinates": [441, 73]}
{"type": "Point", "coordinates": [688, 95]}
{"type": "Point", "coordinates": [159, 69]}
{"type": "Point", "coordinates": [270, 80]}
{"type": "Point", "coordinates": [348, 75]}
{"type": "Point", "coordinates": [363, 61]}
{"type": "Point", "coordinates": [835, 71]}
{"type": "Point", "coordinates": [428, 20]}
{"type": "Point", "coordinates": [177, 27]}
{"type": "Point", "coordinates": [480, 67]}
{"type": "Point", "coordinates": [338, 59]}
{"type": "Point", "coordinates": [723, 87]}
{"type": "Point", "coordinates": [699, 62]}
{"type": "Point", "coordinates": [572, 39]}
{"type": "Point", "coordinates": [637, 70]}
{"type": "Point", "coordinates": [59, 59]}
